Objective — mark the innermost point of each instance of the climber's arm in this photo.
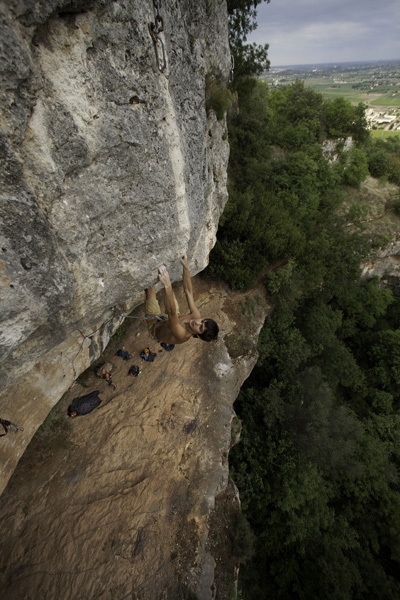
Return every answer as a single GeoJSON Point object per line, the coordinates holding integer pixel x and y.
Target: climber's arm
{"type": "Point", "coordinates": [188, 289]}
{"type": "Point", "coordinates": [177, 329]}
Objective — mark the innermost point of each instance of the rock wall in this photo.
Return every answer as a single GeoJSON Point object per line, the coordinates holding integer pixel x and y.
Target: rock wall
{"type": "Point", "coordinates": [110, 166]}
{"type": "Point", "coordinates": [377, 200]}
{"type": "Point", "coordinates": [385, 264]}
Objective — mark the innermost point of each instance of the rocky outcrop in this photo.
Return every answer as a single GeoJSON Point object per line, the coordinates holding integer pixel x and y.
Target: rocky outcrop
{"type": "Point", "coordinates": [332, 149]}
{"type": "Point", "coordinates": [120, 503]}
{"type": "Point", "coordinates": [110, 166]}
{"type": "Point", "coordinates": [385, 264]}
{"type": "Point", "coordinates": [377, 201]}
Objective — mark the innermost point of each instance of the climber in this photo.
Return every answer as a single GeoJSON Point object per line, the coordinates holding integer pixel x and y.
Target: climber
{"type": "Point", "coordinates": [173, 328]}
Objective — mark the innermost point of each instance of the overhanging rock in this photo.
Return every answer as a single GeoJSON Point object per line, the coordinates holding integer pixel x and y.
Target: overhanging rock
{"type": "Point", "coordinates": [110, 167]}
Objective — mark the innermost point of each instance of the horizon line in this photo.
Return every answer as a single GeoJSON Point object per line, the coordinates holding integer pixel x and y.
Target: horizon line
{"type": "Point", "coordinates": [344, 62]}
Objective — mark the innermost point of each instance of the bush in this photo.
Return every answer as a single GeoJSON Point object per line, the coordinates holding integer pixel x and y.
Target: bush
{"type": "Point", "coordinates": [395, 206]}
{"type": "Point", "coordinates": [394, 169]}
{"type": "Point", "coordinates": [218, 97]}
{"type": "Point", "coordinates": [378, 163]}
{"type": "Point", "coordinates": [356, 168]}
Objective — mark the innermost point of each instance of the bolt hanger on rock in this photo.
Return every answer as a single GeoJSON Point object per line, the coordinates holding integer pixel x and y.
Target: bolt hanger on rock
{"type": "Point", "coordinates": [155, 29]}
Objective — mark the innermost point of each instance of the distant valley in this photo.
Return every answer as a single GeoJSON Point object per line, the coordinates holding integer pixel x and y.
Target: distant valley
{"type": "Point", "coordinates": [376, 84]}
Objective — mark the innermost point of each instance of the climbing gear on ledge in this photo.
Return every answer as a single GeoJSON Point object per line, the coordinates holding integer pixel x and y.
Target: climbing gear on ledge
{"type": "Point", "coordinates": [155, 29]}
{"type": "Point", "coordinates": [8, 426]}
{"type": "Point", "coordinates": [167, 347]}
{"type": "Point", "coordinates": [147, 355]}
{"type": "Point", "coordinates": [123, 354]}
{"type": "Point", "coordinates": [82, 405]}
{"type": "Point", "coordinates": [134, 371]}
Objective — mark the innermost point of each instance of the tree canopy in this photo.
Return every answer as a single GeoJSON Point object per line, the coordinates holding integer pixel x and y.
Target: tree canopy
{"type": "Point", "coordinates": [317, 464]}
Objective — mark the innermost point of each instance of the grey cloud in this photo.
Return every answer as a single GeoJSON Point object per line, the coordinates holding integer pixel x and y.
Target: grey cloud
{"type": "Point", "coordinates": [336, 30]}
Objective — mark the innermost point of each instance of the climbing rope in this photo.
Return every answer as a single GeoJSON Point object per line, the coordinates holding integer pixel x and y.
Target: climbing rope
{"type": "Point", "coordinates": [87, 337]}
{"type": "Point", "coordinates": [8, 426]}
{"type": "Point", "coordinates": [148, 318]}
{"type": "Point", "coordinates": [116, 315]}
{"type": "Point", "coordinates": [155, 29]}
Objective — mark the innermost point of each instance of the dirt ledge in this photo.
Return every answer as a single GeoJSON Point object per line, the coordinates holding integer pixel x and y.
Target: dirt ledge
{"type": "Point", "coordinates": [119, 504]}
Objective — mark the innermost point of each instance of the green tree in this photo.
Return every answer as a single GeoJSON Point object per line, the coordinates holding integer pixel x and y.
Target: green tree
{"type": "Point", "coordinates": [298, 116]}
{"type": "Point", "coordinates": [394, 169]}
{"type": "Point", "coordinates": [326, 434]}
{"type": "Point", "coordinates": [248, 59]}
{"type": "Point", "coordinates": [342, 119]}
{"type": "Point", "coordinates": [384, 358]}
{"type": "Point", "coordinates": [242, 17]}
{"type": "Point", "coordinates": [378, 163]}
{"type": "Point", "coordinates": [319, 453]}
{"type": "Point", "coordinates": [355, 167]}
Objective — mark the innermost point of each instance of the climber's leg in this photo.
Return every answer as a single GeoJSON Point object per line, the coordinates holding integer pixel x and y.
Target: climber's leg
{"type": "Point", "coordinates": [150, 293]}
{"type": "Point", "coordinates": [152, 307]}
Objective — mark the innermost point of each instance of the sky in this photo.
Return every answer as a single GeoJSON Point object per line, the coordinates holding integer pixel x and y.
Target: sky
{"type": "Point", "coordinates": [328, 31]}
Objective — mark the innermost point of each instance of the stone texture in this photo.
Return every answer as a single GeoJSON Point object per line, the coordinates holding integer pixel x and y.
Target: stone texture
{"type": "Point", "coordinates": [108, 169]}
{"type": "Point", "coordinates": [382, 225]}
{"type": "Point", "coordinates": [385, 264]}
{"type": "Point", "coordinates": [118, 504]}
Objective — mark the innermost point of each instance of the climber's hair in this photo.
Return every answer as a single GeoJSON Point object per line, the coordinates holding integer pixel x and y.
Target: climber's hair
{"type": "Point", "coordinates": [211, 331]}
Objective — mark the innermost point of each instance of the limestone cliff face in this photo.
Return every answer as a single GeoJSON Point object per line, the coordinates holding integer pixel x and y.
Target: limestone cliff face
{"type": "Point", "coordinates": [110, 166]}
{"type": "Point", "coordinates": [381, 224]}
{"type": "Point", "coordinates": [386, 263]}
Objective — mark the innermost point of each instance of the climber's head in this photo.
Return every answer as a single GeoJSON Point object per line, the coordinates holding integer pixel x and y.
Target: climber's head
{"type": "Point", "coordinates": [205, 329]}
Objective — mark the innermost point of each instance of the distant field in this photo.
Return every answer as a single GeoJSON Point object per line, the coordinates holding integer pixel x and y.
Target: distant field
{"type": "Point", "coordinates": [392, 101]}
{"type": "Point", "coordinates": [353, 95]}
{"type": "Point", "coordinates": [382, 134]}
{"type": "Point", "coordinates": [334, 91]}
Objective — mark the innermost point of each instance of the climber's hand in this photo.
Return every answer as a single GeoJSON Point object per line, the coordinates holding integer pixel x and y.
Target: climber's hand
{"type": "Point", "coordinates": [163, 276]}
{"type": "Point", "coordinates": [184, 262]}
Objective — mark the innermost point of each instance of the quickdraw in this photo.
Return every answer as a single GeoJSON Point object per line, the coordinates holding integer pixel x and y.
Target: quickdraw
{"type": "Point", "coordinates": [8, 426]}
{"type": "Point", "coordinates": [155, 29]}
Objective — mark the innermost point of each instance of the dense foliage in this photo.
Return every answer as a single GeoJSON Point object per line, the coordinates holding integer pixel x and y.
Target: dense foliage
{"type": "Point", "coordinates": [317, 465]}
{"type": "Point", "coordinates": [282, 189]}
{"type": "Point", "coordinates": [384, 158]}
